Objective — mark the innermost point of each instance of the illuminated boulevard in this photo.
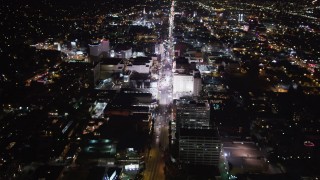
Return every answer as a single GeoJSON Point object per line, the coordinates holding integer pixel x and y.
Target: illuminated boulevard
{"type": "Point", "coordinates": [160, 141]}
{"type": "Point", "coordinates": [155, 160]}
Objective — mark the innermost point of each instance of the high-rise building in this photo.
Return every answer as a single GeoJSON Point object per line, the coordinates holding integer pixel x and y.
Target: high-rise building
{"type": "Point", "coordinates": [193, 114]}
{"type": "Point", "coordinates": [185, 84]}
{"type": "Point", "coordinates": [198, 139]}
{"type": "Point", "coordinates": [199, 147]}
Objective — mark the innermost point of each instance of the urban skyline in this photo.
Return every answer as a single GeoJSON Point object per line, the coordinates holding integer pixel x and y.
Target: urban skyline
{"type": "Point", "coordinates": [159, 90]}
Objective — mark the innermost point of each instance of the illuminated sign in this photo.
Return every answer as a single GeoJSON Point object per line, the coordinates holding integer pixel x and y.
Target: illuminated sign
{"type": "Point", "coordinates": [131, 167]}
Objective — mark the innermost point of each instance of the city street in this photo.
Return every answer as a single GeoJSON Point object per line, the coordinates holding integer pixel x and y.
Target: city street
{"type": "Point", "coordinates": [165, 86]}
{"type": "Point", "coordinates": [155, 161]}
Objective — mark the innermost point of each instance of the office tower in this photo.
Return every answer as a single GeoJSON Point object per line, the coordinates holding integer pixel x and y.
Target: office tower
{"type": "Point", "coordinates": [198, 139]}
{"type": "Point", "coordinates": [193, 114]}
{"type": "Point", "coordinates": [199, 146]}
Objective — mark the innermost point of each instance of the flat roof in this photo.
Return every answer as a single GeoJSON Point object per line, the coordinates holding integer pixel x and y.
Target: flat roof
{"type": "Point", "coordinates": [110, 61]}
{"type": "Point", "coordinates": [48, 172]}
{"type": "Point", "coordinates": [96, 173]}
{"type": "Point", "coordinates": [199, 132]}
